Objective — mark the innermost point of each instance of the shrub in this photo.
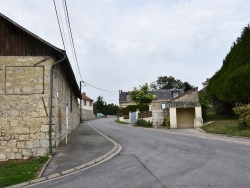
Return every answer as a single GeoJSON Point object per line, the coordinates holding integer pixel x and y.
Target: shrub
{"type": "Point", "coordinates": [143, 123]}
{"type": "Point", "coordinates": [133, 108]}
{"type": "Point", "coordinates": [168, 121]}
{"type": "Point", "coordinates": [243, 112]}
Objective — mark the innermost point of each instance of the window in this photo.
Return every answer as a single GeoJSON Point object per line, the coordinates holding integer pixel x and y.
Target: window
{"type": "Point", "coordinates": [175, 94]}
{"type": "Point", "coordinates": [128, 97]}
{"type": "Point", "coordinates": [90, 103]}
{"type": "Point", "coordinates": [85, 102]}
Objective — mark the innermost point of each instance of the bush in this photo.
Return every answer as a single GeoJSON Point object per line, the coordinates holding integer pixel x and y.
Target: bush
{"type": "Point", "coordinates": [168, 121]}
{"type": "Point", "coordinates": [133, 108]}
{"type": "Point", "coordinates": [243, 112]}
{"type": "Point", "coordinates": [143, 123]}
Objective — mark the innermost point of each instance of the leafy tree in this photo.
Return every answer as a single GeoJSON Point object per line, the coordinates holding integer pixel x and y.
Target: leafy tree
{"type": "Point", "coordinates": [205, 102]}
{"type": "Point", "coordinates": [230, 85]}
{"type": "Point", "coordinates": [142, 95]}
{"type": "Point", "coordinates": [169, 82]}
{"type": "Point", "coordinates": [187, 86]}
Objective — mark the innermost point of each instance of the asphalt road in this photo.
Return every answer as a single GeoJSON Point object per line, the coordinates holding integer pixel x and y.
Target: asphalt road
{"type": "Point", "coordinates": [159, 159]}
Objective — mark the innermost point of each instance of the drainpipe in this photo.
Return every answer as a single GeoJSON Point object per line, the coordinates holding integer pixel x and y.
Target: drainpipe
{"type": "Point", "coordinates": [51, 102]}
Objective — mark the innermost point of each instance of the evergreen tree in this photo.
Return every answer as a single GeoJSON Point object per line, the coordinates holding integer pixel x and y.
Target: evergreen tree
{"type": "Point", "coordinates": [230, 85]}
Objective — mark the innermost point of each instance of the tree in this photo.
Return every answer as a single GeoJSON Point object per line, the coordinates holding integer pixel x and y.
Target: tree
{"type": "Point", "coordinates": [169, 82]}
{"type": "Point", "coordinates": [205, 102]}
{"type": "Point", "coordinates": [141, 96]}
{"type": "Point", "coordinates": [230, 85]}
{"type": "Point", "coordinates": [112, 109]}
{"type": "Point", "coordinates": [100, 106]}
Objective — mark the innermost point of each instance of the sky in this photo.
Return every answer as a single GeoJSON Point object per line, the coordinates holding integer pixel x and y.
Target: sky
{"type": "Point", "coordinates": [121, 44]}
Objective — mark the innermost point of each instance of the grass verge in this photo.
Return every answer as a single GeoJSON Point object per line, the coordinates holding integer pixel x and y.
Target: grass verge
{"type": "Point", "coordinates": [227, 127]}
{"type": "Point", "coordinates": [212, 116]}
{"type": "Point", "coordinates": [18, 171]}
{"type": "Point", "coordinates": [120, 122]}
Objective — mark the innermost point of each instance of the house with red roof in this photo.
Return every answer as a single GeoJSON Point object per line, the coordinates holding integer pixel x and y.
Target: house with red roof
{"type": "Point", "coordinates": [86, 107]}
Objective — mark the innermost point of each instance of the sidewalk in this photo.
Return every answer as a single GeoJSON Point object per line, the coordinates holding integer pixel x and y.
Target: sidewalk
{"type": "Point", "coordinates": [84, 145]}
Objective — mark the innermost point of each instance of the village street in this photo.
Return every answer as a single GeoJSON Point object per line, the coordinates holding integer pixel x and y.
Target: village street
{"type": "Point", "coordinates": [158, 159]}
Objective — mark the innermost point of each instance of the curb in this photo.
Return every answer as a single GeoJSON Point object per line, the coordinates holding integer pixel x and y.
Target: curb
{"type": "Point", "coordinates": [199, 129]}
{"type": "Point", "coordinates": [116, 149]}
{"type": "Point", "coordinates": [207, 136]}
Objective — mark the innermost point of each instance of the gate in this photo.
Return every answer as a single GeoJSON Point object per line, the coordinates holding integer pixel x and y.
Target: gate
{"type": "Point", "coordinates": [133, 117]}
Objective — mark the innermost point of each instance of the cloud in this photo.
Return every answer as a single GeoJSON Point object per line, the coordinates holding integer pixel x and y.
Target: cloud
{"type": "Point", "coordinates": [122, 44]}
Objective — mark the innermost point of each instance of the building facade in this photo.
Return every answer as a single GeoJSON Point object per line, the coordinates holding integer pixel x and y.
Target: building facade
{"type": "Point", "coordinates": [87, 107]}
{"type": "Point", "coordinates": [38, 94]}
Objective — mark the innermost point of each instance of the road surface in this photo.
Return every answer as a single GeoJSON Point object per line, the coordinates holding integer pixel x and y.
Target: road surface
{"type": "Point", "coordinates": [159, 159]}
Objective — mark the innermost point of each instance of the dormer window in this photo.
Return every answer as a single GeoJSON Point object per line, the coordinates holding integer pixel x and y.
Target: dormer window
{"type": "Point", "coordinates": [175, 94]}
{"type": "Point", "coordinates": [128, 97]}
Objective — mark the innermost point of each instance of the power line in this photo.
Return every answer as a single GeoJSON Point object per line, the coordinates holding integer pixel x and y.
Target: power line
{"type": "Point", "coordinates": [72, 42]}
{"type": "Point", "coordinates": [64, 10]}
{"type": "Point", "coordinates": [100, 88]}
{"type": "Point", "coordinates": [59, 24]}
{"type": "Point", "coordinates": [72, 39]}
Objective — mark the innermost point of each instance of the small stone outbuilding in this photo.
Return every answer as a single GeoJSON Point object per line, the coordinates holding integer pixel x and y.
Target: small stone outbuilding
{"type": "Point", "coordinates": [38, 94]}
{"type": "Point", "coordinates": [183, 111]}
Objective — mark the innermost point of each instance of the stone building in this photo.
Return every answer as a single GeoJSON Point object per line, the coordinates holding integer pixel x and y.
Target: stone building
{"type": "Point", "coordinates": [87, 107]}
{"type": "Point", "coordinates": [181, 108]}
{"type": "Point", "coordinates": [38, 94]}
{"type": "Point", "coordinates": [166, 94]}
{"type": "Point", "coordinates": [183, 111]}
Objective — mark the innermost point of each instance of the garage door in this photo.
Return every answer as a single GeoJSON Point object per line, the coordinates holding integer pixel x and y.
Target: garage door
{"type": "Point", "coordinates": [185, 117]}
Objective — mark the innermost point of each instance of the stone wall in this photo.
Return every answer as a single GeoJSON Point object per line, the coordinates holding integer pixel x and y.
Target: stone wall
{"type": "Point", "coordinates": [63, 95]}
{"type": "Point", "coordinates": [158, 114]}
{"type": "Point", "coordinates": [189, 96]}
{"type": "Point", "coordinates": [24, 102]}
{"type": "Point", "coordinates": [87, 114]}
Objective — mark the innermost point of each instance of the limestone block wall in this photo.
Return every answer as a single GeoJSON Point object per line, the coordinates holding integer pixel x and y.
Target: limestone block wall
{"type": "Point", "coordinates": [157, 113]}
{"type": "Point", "coordinates": [63, 95]}
{"type": "Point", "coordinates": [24, 89]}
{"type": "Point", "coordinates": [87, 114]}
{"type": "Point", "coordinates": [189, 96]}
{"type": "Point", "coordinates": [24, 102]}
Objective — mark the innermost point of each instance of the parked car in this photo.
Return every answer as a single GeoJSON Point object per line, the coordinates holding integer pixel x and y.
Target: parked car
{"type": "Point", "coordinates": [100, 115]}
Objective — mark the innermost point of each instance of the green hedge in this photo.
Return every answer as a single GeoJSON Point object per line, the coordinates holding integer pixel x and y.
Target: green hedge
{"type": "Point", "coordinates": [133, 108]}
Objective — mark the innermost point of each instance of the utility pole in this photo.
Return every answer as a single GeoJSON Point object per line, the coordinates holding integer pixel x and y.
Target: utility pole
{"type": "Point", "coordinates": [81, 99]}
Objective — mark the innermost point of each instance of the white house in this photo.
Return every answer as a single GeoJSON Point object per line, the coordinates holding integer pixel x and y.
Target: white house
{"type": "Point", "coordinates": [87, 107]}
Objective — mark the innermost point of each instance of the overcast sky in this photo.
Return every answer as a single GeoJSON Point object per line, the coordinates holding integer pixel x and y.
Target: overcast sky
{"type": "Point", "coordinates": [121, 44]}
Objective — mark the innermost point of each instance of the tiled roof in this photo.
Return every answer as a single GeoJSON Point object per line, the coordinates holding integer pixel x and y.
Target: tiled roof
{"type": "Point", "coordinates": [183, 104]}
{"type": "Point", "coordinates": [86, 98]}
{"type": "Point", "coordinates": [165, 94]}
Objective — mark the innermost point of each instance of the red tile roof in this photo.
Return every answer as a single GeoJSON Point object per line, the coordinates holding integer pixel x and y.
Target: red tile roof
{"type": "Point", "coordinates": [86, 98]}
